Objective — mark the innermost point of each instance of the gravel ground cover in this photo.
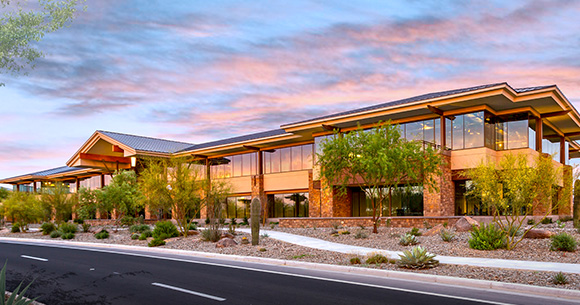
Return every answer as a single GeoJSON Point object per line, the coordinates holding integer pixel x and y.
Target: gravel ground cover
{"type": "Point", "coordinates": [386, 239]}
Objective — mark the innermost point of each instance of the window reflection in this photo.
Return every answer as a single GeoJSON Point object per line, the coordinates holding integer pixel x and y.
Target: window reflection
{"type": "Point", "coordinates": [473, 129]}
{"type": "Point", "coordinates": [288, 205]}
{"type": "Point", "coordinates": [237, 207]}
{"type": "Point", "coordinates": [234, 166]}
{"type": "Point", "coordinates": [286, 159]}
{"type": "Point", "coordinates": [458, 132]}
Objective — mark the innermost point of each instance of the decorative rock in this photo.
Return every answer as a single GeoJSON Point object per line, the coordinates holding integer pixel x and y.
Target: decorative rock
{"type": "Point", "coordinates": [434, 231]}
{"type": "Point", "coordinates": [538, 234]}
{"type": "Point", "coordinates": [228, 235]}
{"type": "Point", "coordinates": [192, 232]}
{"type": "Point", "coordinates": [225, 242]}
{"type": "Point", "coordinates": [245, 241]}
{"type": "Point", "coordinates": [465, 224]}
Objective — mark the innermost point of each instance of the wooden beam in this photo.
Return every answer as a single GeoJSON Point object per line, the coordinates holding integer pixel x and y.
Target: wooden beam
{"type": "Point", "coordinates": [572, 134]}
{"type": "Point", "coordinates": [435, 110]}
{"type": "Point", "coordinates": [330, 127]}
{"type": "Point", "coordinates": [199, 157]}
{"type": "Point", "coordinates": [105, 158]}
{"type": "Point", "coordinates": [253, 148]}
{"type": "Point", "coordinates": [555, 113]}
{"type": "Point", "coordinates": [116, 148]}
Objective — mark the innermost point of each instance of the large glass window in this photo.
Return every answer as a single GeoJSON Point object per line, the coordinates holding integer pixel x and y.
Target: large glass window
{"type": "Point", "coordinates": [465, 204]}
{"type": "Point", "coordinates": [458, 132]}
{"type": "Point", "coordinates": [286, 159]}
{"type": "Point", "coordinates": [234, 166]}
{"type": "Point", "coordinates": [414, 131]}
{"type": "Point", "coordinates": [405, 201]}
{"type": "Point", "coordinates": [473, 129]}
{"type": "Point", "coordinates": [288, 205]}
{"type": "Point", "coordinates": [517, 134]}
{"type": "Point", "coordinates": [237, 207]}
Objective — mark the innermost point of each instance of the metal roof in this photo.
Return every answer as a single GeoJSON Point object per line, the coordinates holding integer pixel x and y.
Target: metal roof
{"type": "Point", "coordinates": [48, 172]}
{"type": "Point", "coordinates": [259, 135]}
{"type": "Point", "coordinates": [147, 143]}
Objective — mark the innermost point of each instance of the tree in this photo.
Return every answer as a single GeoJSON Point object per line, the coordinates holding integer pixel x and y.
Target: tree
{"type": "Point", "coordinates": [57, 202]}
{"type": "Point", "coordinates": [21, 26]}
{"type": "Point", "coordinates": [22, 207]}
{"type": "Point", "coordinates": [174, 184]}
{"type": "Point", "coordinates": [514, 188]}
{"type": "Point", "coordinates": [87, 203]}
{"type": "Point", "coordinates": [122, 194]}
{"type": "Point", "coordinates": [216, 193]}
{"type": "Point", "coordinates": [4, 193]}
{"type": "Point", "coordinates": [378, 160]}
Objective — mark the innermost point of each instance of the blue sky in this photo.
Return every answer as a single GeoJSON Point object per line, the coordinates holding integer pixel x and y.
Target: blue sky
{"type": "Point", "coordinates": [202, 70]}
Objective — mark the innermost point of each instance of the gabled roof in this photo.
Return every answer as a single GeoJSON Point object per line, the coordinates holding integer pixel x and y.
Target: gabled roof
{"type": "Point", "coordinates": [140, 143]}
{"type": "Point", "coordinates": [244, 138]}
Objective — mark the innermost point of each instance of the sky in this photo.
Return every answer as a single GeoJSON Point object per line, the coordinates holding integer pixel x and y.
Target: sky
{"type": "Point", "coordinates": [196, 71]}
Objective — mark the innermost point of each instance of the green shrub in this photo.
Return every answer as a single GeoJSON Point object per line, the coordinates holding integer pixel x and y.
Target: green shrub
{"type": "Point", "coordinates": [487, 237]}
{"type": "Point", "coordinates": [355, 261]}
{"type": "Point", "coordinates": [361, 234]}
{"type": "Point", "coordinates": [566, 218]}
{"type": "Point", "coordinates": [86, 227]}
{"type": "Point", "coordinates": [66, 227]}
{"type": "Point", "coordinates": [233, 221]}
{"type": "Point", "coordinates": [68, 235]}
{"type": "Point", "coordinates": [192, 226]}
{"type": "Point", "coordinates": [560, 279]}
{"type": "Point", "coordinates": [210, 235]}
{"type": "Point", "coordinates": [165, 228]}
{"type": "Point", "coordinates": [156, 242]}
{"type": "Point", "coordinates": [344, 232]}
{"type": "Point", "coordinates": [134, 236]}
{"type": "Point", "coordinates": [102, 235]}
{"type": "Point", "coordinates": [127, 221]}
{"type": "Point", "coordinates": [546, 220]}
{"type": "Point", "coordinates": [446, 235]}
{"type": "Point", "coordinates": [207, 221]}
{"type": "Point", "coordinates": [246, 220]}
{"type": "Point", "coordinates": [47, 228]}
{"type": "Point", "coordinates": [376, 258]}
{"type": "Point", "coordinates": [55, 234]}
{"type": "Point", "coordinates": [15, 227]}
{"type": "Point", "coordinates": [514, 231]}
{"type": "Point", "coordinates": [415, 232]}
{"type": "Point", "coordinates": [531, 221]}
{"type": "Point", "coordinates": [139, 228]}
{"type": "Point", "coordinates": [408, 239]}
{"type": "Point", "coordinates": [143, 237]}
{"type": "Point", "coordinates": [147, 234]}
{"type": "Point", "coordinates": [417, 258]}
{"type": "Point", "coordinates": [79, 221]}
{"type": "Point", "coordinates": [563, 242]}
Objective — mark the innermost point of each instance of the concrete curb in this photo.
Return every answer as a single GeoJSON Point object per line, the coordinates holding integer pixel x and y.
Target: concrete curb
{"type": "Point", "coordinates": [440, 279]}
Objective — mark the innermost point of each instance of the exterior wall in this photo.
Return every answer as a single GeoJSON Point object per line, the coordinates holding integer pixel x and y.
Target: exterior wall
{"type": "Point", "coordinates": [286, 181]}
{"type": "Point", "coordinates": [314, 196]}
{"type": "Point", "coordinates": [241, 184]}
{"type": "Point", "coordinates": [440, 201]}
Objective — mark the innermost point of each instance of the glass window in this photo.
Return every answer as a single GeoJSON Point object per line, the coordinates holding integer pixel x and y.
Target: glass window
{"type": "Point", "coordinates": [428, 131]}
{"type": "Point", "coordinates": [458, 132]}
{"type": "Point", "coordinates": [437, 133]}
{"type": "Point", "coordinates": [448, 133]}
{"type": "Point", "coordinates": [285, 159]}
{"type": "Point", "coordinates": [473, 129]}
{"type": "Point", "coordinates": [500, 136]}
{"type": "Point", "coordinates": [296, 158]}
{"type": "Point", "coordinates": [532, 134]}
{"type": "Point", "coordinates": [237, 165]}
{"type": "Point", "coordinates": [275, 158]}
{"type": "Point", "coordinates": [288, 205]}
{"type": "Point", "coordinates": [227, 167]}
{"type": "Point", "coordinates": [307, 156]}
{"type": "Point", "coordinates": [517, 134]}
{"type": "Point", "coordinates": [467, 205]}
{"type": "Point", "coordinates": [489, 131]}
{"type": "Point", "coordinates": [414, 131]}
{"type": "Point", "coordinates": [254, 163]}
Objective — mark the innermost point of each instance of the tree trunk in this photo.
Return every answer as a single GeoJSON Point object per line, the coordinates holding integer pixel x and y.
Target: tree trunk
{"type": "Point", "coordinates": [390, 201]}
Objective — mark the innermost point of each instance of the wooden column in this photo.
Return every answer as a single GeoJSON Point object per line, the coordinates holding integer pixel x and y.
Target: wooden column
{"type": "Point", "coordinates": [33, 186]}
{"type": "Point", "coordinates": [17, 188]}
{"type": "Point", "coordinates": [443, 132]}
{"type": "Point", "coordinates": [260, 162]}
{"type": "Point", "coordinates": [539, 134]}
{"type": "Point", "coordinates": [77, 184]}
{"type": "Point", "coordinates": [102, 180]}
{"type": "Point", "coordinates": [562, 150]}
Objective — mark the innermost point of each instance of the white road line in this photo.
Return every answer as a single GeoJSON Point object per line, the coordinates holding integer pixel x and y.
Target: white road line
{"type": "Point", "coordinates": [199, 294]}
{"type": "Point", "coordinates": [35, 258]}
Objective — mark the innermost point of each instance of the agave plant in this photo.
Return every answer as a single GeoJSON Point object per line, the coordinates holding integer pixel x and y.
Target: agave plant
{"type": "Point", "coordinates": [15, 298]}
{"type": "Point", "coordinates": [408, 239]}
{"type": "Point", "coordinates": [417, 258]}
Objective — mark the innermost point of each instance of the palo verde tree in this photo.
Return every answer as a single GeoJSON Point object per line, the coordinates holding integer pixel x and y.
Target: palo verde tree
{"type": "Point", "coordinates": [174, 184]}
{"type": "Point", "coordinates": [56, 202]}
{"type": "Point", "coordinates": [23, 25]}
{"type": "Point", "coordinates": [379, 160]}
{"type": "Point", "coordinates": [22, 207]}
{"type": "Point", "coordinates": [122, 194]}
{"type": "Point", "coordinates": [514, 188]}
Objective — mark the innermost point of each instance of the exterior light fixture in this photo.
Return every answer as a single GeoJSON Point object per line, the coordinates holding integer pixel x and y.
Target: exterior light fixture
{"type": "Point", "coordinates": [133, 161]}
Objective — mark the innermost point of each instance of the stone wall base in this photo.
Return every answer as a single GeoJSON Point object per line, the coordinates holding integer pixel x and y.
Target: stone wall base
{"type": "Point", "coordinates": [397, 222]}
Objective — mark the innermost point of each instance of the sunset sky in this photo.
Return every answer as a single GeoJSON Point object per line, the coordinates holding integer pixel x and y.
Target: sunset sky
{"type": "Point", "coordinates": [195, 71]}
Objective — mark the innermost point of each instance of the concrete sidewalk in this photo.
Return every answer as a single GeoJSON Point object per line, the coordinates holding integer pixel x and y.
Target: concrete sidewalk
{"type": "Point", "coordinates": [453, 260]}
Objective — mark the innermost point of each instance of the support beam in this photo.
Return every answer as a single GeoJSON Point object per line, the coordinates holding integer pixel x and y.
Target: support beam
{"type": "Point", "coordinates": [260, 163]}
{"type": "Point", "coordinates": [572, 134]}
{"type": "Point", "coordinates": [105, 158]}
{"type": "Point", "coordinates": [443, 133]}
{"type": "Point", "coordinates": [102, 180]}
{"type": "Point", "coordinates": [77, 184]}
{"type": "Point", "coordinates": [553, 114]}
{"type": "Point", "coordinates": [435, 110]}
{"type": "Point", "coordinates": [253, 148]}
{"type": "Point", "coordinates": [116, 148]}
{"type": "Point", "coordinates": [539, 134]}
{"type": "Point", "coordinates": [330, 127]}
{"type": "Point", "coordinates": [562, 150]}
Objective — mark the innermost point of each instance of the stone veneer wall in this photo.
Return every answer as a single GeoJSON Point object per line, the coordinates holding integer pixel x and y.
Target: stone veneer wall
{"type": "Point", "coordinates": [398, 222]}
{"type": "Point", "coordinates": [314, 193]}
{"type": "Point", "coordinates": [441, 202]}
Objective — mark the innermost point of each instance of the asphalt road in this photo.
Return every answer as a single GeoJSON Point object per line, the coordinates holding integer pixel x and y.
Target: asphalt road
{"type": "Point", "coordinates": [93, 276]}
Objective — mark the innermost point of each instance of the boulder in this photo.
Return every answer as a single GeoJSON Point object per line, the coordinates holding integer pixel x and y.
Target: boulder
{"type": "Point", "coordinates": [465, 224]}
{"type": "Point", "coordinates": [225, 242]}
{"type": "Point", "coordinates": [434, 231]}
{"type": "Point", "coordinates": [228, 235]}
{"type": "Point", "coordinates": [538, 234]}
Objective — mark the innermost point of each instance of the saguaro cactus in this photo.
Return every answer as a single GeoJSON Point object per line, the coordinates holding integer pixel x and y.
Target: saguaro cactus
{"type": "Point", "coordinates": [255, 220]}
{"type": "Point", "coordinates": [576, 206]}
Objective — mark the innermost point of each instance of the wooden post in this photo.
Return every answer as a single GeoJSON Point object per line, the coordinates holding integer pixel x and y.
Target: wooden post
{"type": "Point", "coordinates": [539, 134]}
{"type": "Point", "coordinates": [260, 162]}
{"type": "Point", "coordinates": [443, 132]}
{"type": "Point", "coordinates": [562, 150]}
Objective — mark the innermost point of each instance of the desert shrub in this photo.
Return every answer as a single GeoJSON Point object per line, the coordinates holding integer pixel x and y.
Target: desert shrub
{"type": "Point", "coordinates": [192, 226]}
{"type": "Point", "coordinates": [156, 242]}
{"type": "Point", "coordinates": [563, 242]}
{"type": "Point", "coordinates": [361, 234]}
{"type": "Point", "coordinates": [86, 227]}
{"type": "Point", "coordinates": [427, 225]}
{"type": "Point", "coordinates": [47, 228]}
{"type": "Point", "coordinates": [15, 227]}
{"type": "Point", "coordinates": [377, 258]}
{"type": "Point", "coordinates": [207, 221]}
{"type": "Point", "coordinates": [66, 227]}
{"type": "Point", "coordinates": [408, 239]}
{"type": "Point", "coordinates": [165, 228]}
{"type": "Point", "coordinates": [102, 235]}
{"type": "Point", "coordinates": [417, 258]}
{"type": "Point", "coordinates": [560, 279]}
{"type": "Point", "coordinates": [531, 221]}
{"type": "Point", "coordinates": [344, 232]}
{"type": "Point", "coordinates": [246, 221]}
{"type": "Point", "coordinates": [415, 232]}
{"type": "Point", "coordinates": [566, 218]}
{"type": "Point", "coordinates": [134, 236]}
{"type": "Point", "coordinates": [139, 228]}
{"type": "Point", "coordinates": [143, 236]}
{"type": "Point", "coordinates": [355, 261]}
{"type": "Point", "coordinates": [233, 221]}
{"type": "Point", "coordinates": [55, 234]}
{"type": "Point", "coordinates": [446, 235]}
{"type": "Point", "coordinates": [127, 221]}
{"type": "Point", "coordinates": [546, 220]}
{"type": "Point", "coordinates": [79, 221]}
{"type": "Point", "coordinates": [210, 235]}
{"type": "Point", "coordinates": [68, 235]}
{"type": "Point", "coordinates": [514, 231]}
{"type": "Point", "coordinates": [445, 224]}
{"type": "Point", "coordinates": [487, 237]}
{"type": "Point", "coordinates": [147, 234]}
{"type": "Point", "coordinates": [335, 225]}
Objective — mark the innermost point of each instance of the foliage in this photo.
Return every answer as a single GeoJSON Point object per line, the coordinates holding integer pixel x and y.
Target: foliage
{"type": "Point", "coordinates": [192, 226]}
{"type": "Point", "coordinates": [560, 279]}
{"type": "Point", "coordinates": [122, 194]}
{"type": "Point", "coordinates": [381, 159]}
{"type": "Point", "coordinates": [361, 234]}
{"type": "Point", "coordinates": [139, 228]}
{"type": "Point", "coordinates": [66, 227]}
{"type": "Point", "coordinates": [47, 228]}
{"type": "Point", "coordinates": [145, 235]}
{"type": "Point", "coordinates": [516, 187]}
{"type": "Point", "coordinates": [487, 237]}
{"type": "Point", "coordinates": [531, 222]}
{"type": "Point", "coordinates": [377, 258]}
{"type": "Point", "coordinates": [68, 235]}
{"type": "Point", "coordinates": [55, 234]}
{"type": "Point", "coordinates": [4, 193]}
{"type": "Point", "coordinates": [104, 234]}
{"type": "Point", "coordinates": [165, 229]}
{"type": "Point", "coordinates": [135, 236]}
{"type": "Point", "coordinates": [79, 221]}
{"type": "Point", "coordinates": [408, 239]}
{"type": "Point", "coordinates": [17, 297]}
{"type": "Point", "coordinates": [128, 220]}
{"type": "Point", "coordinates": [174, 184]}
{"type": "Point", "coordinates": [86, 227]}
{"type": "Point", "coordinates": [546, 220]}
{"type": "Point", "coordinates": [217, 192]}
{"type": "Point", "coordinates": [446, 235]}
{"type": "Point", "coordinates": [22, 207]}
{"type": "Point", "coordinates": [563, 242]}
{"type": "Point", "coordinates": [355, 261]}
{"type": "Point", "coordinates": [415, 231]}
{"type": "Point", "coordinates": [15, 228]}
{"type": "Point", "coordinates": [156, 242]}
{"type": "Point", "coordinates": [56, 202]}
{"type": "Point", "coordinates": [417, 258]}
{"type": "Point", "coordinates": [209, 235]}
{"type": "Point", "coordinates": [87, 203]}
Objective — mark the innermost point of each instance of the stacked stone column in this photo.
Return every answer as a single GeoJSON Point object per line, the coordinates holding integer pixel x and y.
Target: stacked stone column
{"type": "Point", "coordinates": [440, 201]}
